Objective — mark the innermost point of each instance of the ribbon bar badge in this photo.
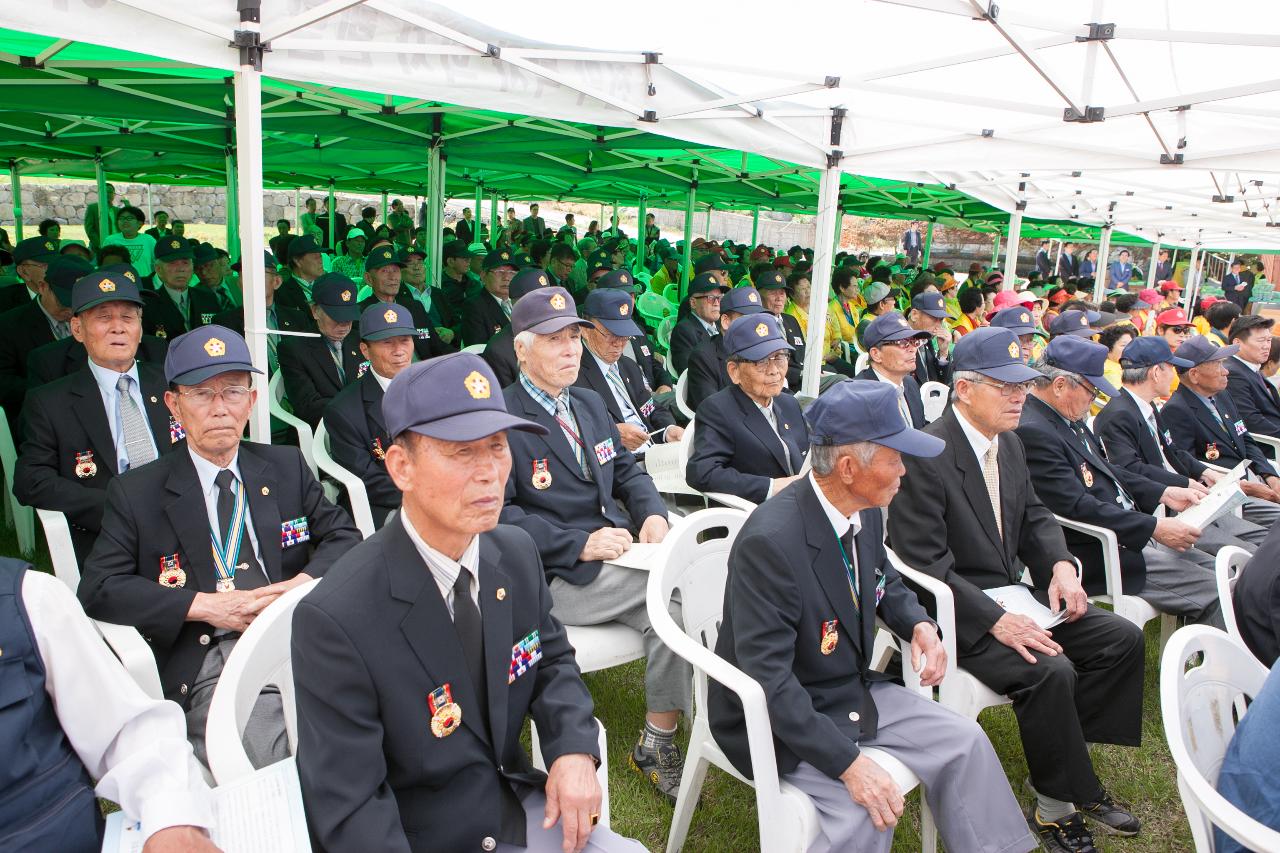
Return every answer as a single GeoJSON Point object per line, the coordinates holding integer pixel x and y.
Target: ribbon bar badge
{"type": "Point", "coordinates": [524, 655]}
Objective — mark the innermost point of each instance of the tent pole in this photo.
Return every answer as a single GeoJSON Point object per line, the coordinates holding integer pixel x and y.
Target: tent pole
{"type": "Point", "coordinates": [687, 269]}
{"type": "Point", "coordinates": [820, 284]}
{"type": "Point", "coordinates": [1151, 267]}
{"type": "Point", "coordinates": [475, 219]}
{"type": "Point", "coordinates": [1011, 253]}
{"type": "Point", "coordinates": [434, 168]}
{"type": "Point", "coordinates": [384, 207]}
{"type": "Point", "coordinates": [708, 227]}
{"type": "Point", "coordinates": [755, 224]}
{"type": "Point", "coordinates": [15, 183]}
{"type": "Point", "coordinates": [1100, 274]}
{"type": "Point", "coordinates": [233, 212]}
{"type": "Point", "coordinates": [297, 208]}
{"type": "Point", "coordinates": [995, 250]}
{"type": "Point", "coordinates": [333, 219]}
{"type": "Point", "coordinates": [928, 244]}
{"type": "Point", "coordinates": [494, 220]}
{"type": "Point", "coordinates": [248, 163]}
{"type": "Point", "coordinates": [613, 219]}
{"type": "Point", "coordinates": [638, 263]}
{"type": "Point", "coordinates": [1192, 281]}
{"type": "Point", "coordinates": [1057, 258]}
{"type": "Point", "coordinates": [104, 205]}
{"type": "Point", "coordinates": [839, 229]}
{"type": "Point", "coordinates": [151, 217]}
{"type": "Point", "coordinates": [437, 238]}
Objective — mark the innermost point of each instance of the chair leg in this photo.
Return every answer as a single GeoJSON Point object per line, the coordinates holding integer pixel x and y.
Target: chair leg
{"type": "Point", "coordinates": [695, 773]}
{"type": "Point", "coordinates": [24, 523]}
{"type": "Point", "coordinates": [1168, 624]}
{"type": "Point", "coordinates": [928, 829]}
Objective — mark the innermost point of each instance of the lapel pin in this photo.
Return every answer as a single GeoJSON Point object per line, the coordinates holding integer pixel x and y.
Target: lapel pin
{"type": "Point", "coordinates": [153, 399]}
{"type": "Point", "coordinates": [265, 491]}
{"type": "Point", "coordinates": [502, 593]}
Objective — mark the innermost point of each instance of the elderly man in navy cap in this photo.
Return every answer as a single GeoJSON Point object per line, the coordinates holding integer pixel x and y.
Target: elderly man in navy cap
{"type": "Point", "coordinates": [315, 368]}
{"type": "Point", "coordinates": [175, 306]}
{"type": "Point", "coordinates": [279, 317]}
{"type": "Point", "coordinates": [31, 258]}
{"type": "Point", "coordinates": [891, 348]}
{"type": "Point", "coordinates": [1203, 420]}
{"type": "Point", "coordinates": [383, 272]}
{"type": "Point", "coordinates": [489, 311]}
{"type": "Point", "coordinates": [1021, 323]}
{"type": "Point", "coordinates": [640, 348]}
{"type": "Point", "coordinates": [708, 363]}
{"type": "Point", "coordinates": [500, 351]}
{"type": "Point", "coordinates": [772, 285]}
{"type": "Point", "coordinates": [618, 380]}
{"type": "Point", "coordinates": [751, 439]}
{"type": "Point", "coordinates": [583, 498]}
{"type": "Point", "coordinates": [32, 324]}
{"type": "Point", "coordinates": [972, 518]}
{"type": "Point", "coordinates": [358, 437]}
{"type": "Point", "coordinates": [705, 293]}
{"type": "Point", "coordinates": [808, 577]}
{"type": "Point", "coordinates": [411, 700]}
{"type": "Point", "coordinates": [928, 313]}
{"type": "Point", "coordinates": [195, 544]}
{"type": "Point", "coordinates": [306, 264]}
{"type": "Point", "coordinates": [118, 420]}
{"type": "Point", "coordinates": [1158, 558]}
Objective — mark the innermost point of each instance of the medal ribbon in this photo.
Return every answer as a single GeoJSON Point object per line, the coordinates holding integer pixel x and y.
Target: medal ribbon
{"type": "Point", "coordinates": [853, 582]}
{"type": "Point", "coordinates": [224, 560]}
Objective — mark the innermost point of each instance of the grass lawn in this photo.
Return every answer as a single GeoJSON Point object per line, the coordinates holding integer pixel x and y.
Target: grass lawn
{"type": "Point", "coordinates": [726, 817]}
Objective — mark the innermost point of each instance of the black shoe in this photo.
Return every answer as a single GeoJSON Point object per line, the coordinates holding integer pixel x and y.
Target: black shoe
{"type": "Point", "coordinates": [662, 766]}
{"type": "Point", "coordinates": [1111, 816]}
{"type": "Point", "coordinates": [1068, 835]}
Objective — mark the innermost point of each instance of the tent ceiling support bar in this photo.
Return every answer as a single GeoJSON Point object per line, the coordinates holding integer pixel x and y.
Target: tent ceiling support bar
{"type": "Point", "coordinates": [15, 184]}
{"type": "Point", "coordinates": [307, 18]}
{"type": "Point", "coordinates": [992, 18]}
{"type": "Point", "coordinates": [53, 50]}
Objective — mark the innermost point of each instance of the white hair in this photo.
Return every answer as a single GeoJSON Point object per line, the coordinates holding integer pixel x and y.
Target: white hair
{"type": "Point", "coordinates": [823, 457]}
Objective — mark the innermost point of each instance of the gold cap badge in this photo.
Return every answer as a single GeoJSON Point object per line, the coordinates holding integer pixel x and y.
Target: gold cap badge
{"type": "Point", "coordinates": [215, 347]}
{"type": "Point", "coordinates": [542, 281]}
{"type": "Point", "coordinates": [107, 285]}
{"type": "Point", "coordinates": [1014, 351]}
{"type": "Point", "coordinates": [390, 315]}
{"type": "Point", "coordinates": [751, 297]}
{"type": "Point", "coordinates": [557, 301]}
{"type": "Point", "coordinates": [762, 330]}
{"type": "Point", "coordinates": [477, 385]}
{"type": "Point", "coordinates": [174, 244]}
{"type": "Point", "coordinates": [624, 309]}
{"type": "Point", "coordinates": [346, 296]}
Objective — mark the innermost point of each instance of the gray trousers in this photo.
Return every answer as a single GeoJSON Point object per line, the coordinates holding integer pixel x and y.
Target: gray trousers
{"type": "Point", "coordinates": [265, 740]}
{"type": "Point", "coordinates": [1262, 513]}
{"type": "Point", "coordinates": [1182, 583]}
{"type": "Point", "coordinates": [617, 595]}
{"type": "Point", "coordinates": [1231, 530]}
{"type": "Point", "coordinates": [963, 781]}
{"type": "Point", "coordinates": [539, 840]}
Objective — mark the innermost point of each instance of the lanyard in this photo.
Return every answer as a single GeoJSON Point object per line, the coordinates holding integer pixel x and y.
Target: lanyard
{"type": "Point", "coordinates": [853, 581]}
{"type": "Point", "coordinates": [224, 559]}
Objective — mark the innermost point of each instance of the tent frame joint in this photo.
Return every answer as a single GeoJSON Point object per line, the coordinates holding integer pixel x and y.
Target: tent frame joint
{"type": "Point", "coordinates": [1090, 114]}
{"type": "Point", "coordinates": [249, 43]}
{"type": "Point", "coordinates": [1099, 32]}
{"type": "Point", "coordinates": [1174, 160]}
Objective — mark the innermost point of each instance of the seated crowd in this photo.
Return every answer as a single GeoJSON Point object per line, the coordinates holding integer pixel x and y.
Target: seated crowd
{"type": "Point", "coordinates": [505, 481]}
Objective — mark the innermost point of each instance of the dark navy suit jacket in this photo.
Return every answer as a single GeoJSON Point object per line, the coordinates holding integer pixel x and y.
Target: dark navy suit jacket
{"type": "Point", "coordinates": [736, 451]}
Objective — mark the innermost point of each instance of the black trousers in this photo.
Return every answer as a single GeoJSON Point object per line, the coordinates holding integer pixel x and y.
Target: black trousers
{"type": "Point", "coordinates": [1091, 692]}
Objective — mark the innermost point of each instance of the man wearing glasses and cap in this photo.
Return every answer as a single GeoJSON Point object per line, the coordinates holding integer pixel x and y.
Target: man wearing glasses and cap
{"type": "Point", "coordinates": [705, 293]}
{"type": "Point", "coordinates": [306, 264]}
{"type": "Point", "coordinates": [808, 576]}
{"type": "Point", "coordinates": [971, 518]}
{"type": "Point", "coordinates": [195, 544]}
{"type": "Point", "coordinates": [751, 439]}
{"type": "Point", "coordinates": [928, 313]}
{"type": "Point", "coordinates": [315, 369]}
{"type": "Point", "coordinates": [489, 311]}
{"type": "Point", "coordinates": [175, 307]}
{"type": "Point", "coordinates": [1159, 561]}
{"type": "Point", "coordinates": [708, 363]}
{"type": "Point", "coordinates": [772, 285]}
{"type": "Point", "coordinates": [383, 270]}
{"type": "Point", "coordinates": [118, 420]}
{"type": "Point", "coordinates": [31, 258]}
{"type": "Point", "coordinates": [891, 349]}
{"type": "Point", "coordinates": [421, 655]}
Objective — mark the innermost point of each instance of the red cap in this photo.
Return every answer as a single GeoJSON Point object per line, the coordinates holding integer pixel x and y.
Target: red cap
{"type": "Point", "coordinates": [1166, 286]}
{"type": "Point", "coordinates": [1006, 299]}
{"type": "Point", "coordinates": [758, 254]}
{"type": "Point", "coordinates": [1210, 300]}
{"type": "Point", "coordinates": [1060, 297]}
{"type": "Point", "coordinates": [784, 261]}
{"type": "Point", "coordinates": [1172, 317]}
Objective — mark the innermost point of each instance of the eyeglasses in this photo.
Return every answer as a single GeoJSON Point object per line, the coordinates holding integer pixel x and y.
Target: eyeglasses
{"type": "Point", "coordinates": [1088, 386]}
{"type": "Point", "coordinates": [905, 343]}
{"type": "Point", "coordinates": [1182, 330]}
{"type": "Point", "coordinates": [232, 395]}
{"type": "Point", "coordinates": [1009, 389]}
{"type": "Point", "coordinates": [779, 361]}
{"type": "Point", "coordinates": [709, 297]}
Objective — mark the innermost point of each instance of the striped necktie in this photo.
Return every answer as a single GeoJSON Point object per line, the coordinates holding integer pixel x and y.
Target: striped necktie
{"type": "Point", "coordinates": [569, 425]}
{"type": "Point", "coordinates": [336, 351]}
{"type": "Point", "coordinates": [629, 413]}
{"type": "Point", "coordinates": [138, 447]}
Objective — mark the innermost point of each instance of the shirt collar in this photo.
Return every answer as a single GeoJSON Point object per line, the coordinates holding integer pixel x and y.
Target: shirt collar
{"type": "Point", "coordinates": [1145, 409]}
{"type": "Point", "coordinates": [888, 379]}
{"type": "Point", "coordinates": [840, 523]}
{"type": "Point", "coordinates": [382, 380]}
{"type": "Point", "coordinates": [713, 329]}
{"type": "Point", "coordinates": [543, 399]}
{"type": "Point", "coordinates": [107, 378]}
{"type": "Point", "coordinates": [1248, 364]}
{"type": "Point", "coordinates": [470, 555]}
{"type": "Point", "coordinates": [604, 365]}
{"type": "Point", "coordinates": [177, 295]}
{"type": "Point", "coordinates": [979, 442]}
{"type": "Point", "coordinates": [207, 471]}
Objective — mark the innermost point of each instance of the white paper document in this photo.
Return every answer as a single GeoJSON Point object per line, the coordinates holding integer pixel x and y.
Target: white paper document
{"type": "Point", "coordinates": [1017, 598]}
{"type": "Point", "coordinates": [640, 556]}
{"type": "Point", "coordinates": [261, 813]}
{"type": "Point", "coordinates": [1222, 499]}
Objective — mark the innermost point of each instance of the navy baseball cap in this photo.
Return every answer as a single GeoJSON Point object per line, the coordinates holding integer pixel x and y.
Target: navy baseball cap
{"type": "Point", "coordinates": [546, 312]}
{"type": "Point", "coordinates": [410, 251]}
{"type": "Point", "coordinates": [1148, 351]}
{"type": "Point", "coordinates": [1017, 319]}
{"type": "Point", "coordinates": [704, 282]}
{"type": "Point", "coordinates": [707, 263]}
{"type": "Point", "coordinates": [614, 309]}
{"type": "Point", "coordinates": [204, 353]}
{"type": "Point", "coordinates": [383, 256]}
{"type": "Point", "coordinates": [742, 300]}
{"type": "Point", "coordinates": [42, 250]}
{"type": "Point", "coordinates": [755, 337]}
{"type": "Point", "coordinates": [598, 260]}
{"type": "Point", "coordinates": [859, 410]}
{"type": "Point", "coordinates": [303, 244]}
{"type": "Point", "coordinates": [179, 248]}
{"type": "Point", "coordinates": [336, 294]}
{"type": "Point", "coordinates": [993, 352]}
{"type": "Point", "coordinates": [619, 279]}
{"type": "Point", "coordinates": [500, 258]}
{"type": "Point", "coordinates": [63, 273]}
{"type": "Point", "coordinates": [771, 280]}
{"type": "Point", "coordinates": [1083, 357]}
{"type": "Point", "coordinates": [458, 249]}
{"type": "Point", "coordinates": [454, 397]}
{"type": "Point", "coordinates": [1199, 349]}
{"type": "Point", "coordinates": [98, 287]}
{"type": "Point", "coordinates": [888, 327]}
{"type": "Point", "coordinates": [202, 253]}
{"type": "Point", "coordinates": [931, 303]}
{"type": "Point", "coordinates": [525, 281]}
{"type": "Point", "coordinates": [1074, 322]}
{"type": "Point", "coordinates": [383, 320]}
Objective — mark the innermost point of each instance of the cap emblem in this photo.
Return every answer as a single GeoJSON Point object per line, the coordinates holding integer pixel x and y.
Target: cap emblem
{"type": "Point", "coordinates": [386, 253]}
{"type": "Point", "coordinates": [557, 301]}
{"type": "Point", "coordinates": [346, 296]}
{"type": "Point", "coordinates": [107, 285]}
{"type": "Point", "coordinates": [505, 256]}
{"type": "Point", "coordinates": [215, 348]}
{"type": "Point", "coordinates": [477, 386]}
{"type": "Point", "coordinates": [624, 278]}
{"type": "Point", "coordinates": [1024, 318]}
{"type": "Point", "coordinates": [129, 275]}
{"type": "Point", "coordinates": [542, 281]}
{"type": "Point", "coordinates": [762, 330]}
{"type": "Point", "coordinates": [1014, 351]}
{"type": "Point", "coordinates": [1084, 321]}
{"type": "Point", "coordinates": [751, 297]}
{"type": "Point", "coordinates": [174, 244]}
{"type": "Point", "coordinates": [48, 244]}
{"type": "Point", "coordinates": [390, 315]}
{"type": "Point", "coordinates": [624, 309]}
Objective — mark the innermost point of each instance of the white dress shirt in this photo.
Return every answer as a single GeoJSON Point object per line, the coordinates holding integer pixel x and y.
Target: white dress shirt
{"type": "Point", "coordinates": [979, 442]}
{"type": "Point", "coordinates": [381, 380]}
{"type": "Point", "coordinates": [135, 746]}
{"type": "Point", "coordinates": [207, 471]}
{"type": "Point", "coordinates": [107, 380]}
{"type": "Point", "coordinates": [1147, 412]}
{"type": "Point", "coordinates": [840, 523]}
{"type": "Point", "coordinates": [444, 571]}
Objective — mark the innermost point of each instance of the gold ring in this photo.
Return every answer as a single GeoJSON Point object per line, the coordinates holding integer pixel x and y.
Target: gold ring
{"type": "Point", "coordinates": [595, 818]}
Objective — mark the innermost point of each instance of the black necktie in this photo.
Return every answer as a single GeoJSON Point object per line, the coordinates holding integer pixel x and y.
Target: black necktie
{"type": "Point", "coordinates": [868, 715]}
{"type": "Point", "coordinates": [246, 578]}
{"type": "Point", "coordinates": [466, 621]}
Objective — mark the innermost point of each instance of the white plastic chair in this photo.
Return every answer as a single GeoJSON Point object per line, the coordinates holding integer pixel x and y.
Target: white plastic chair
{"type": "Point", "coordinates": [682, 395]}
{"type": "Point", "coordinates": [602, 772]}
{"type": "Point", "coordinates": [125, 642]}
{"type": "Point", "coordinates": [357, 495]}
{"type": "Point", "coordinates": [863, 362]}
{"type": "Point", "coordinates": [1199, 706]}
{"type": "Point", "coordinates": [1131, 607]}
{"type": "Point", "coordinates": [259, 658]}
{"type": "Point", "coordinates": [477, 349]}
{"type": "Point", "coordinates": [934, 396]}
{"type": "Point", "coordinates": [604, 646]}
{"type": "Point", "coordinates": [22, 518]}
{"type": "Point", "coordinates": [1270, 445]}
{"type": "Point", "coordinates": [722, 498]}
{"type": "Point", "coordinates": [306, 438]}
{"type": "Point", "coordinates": [698, 569]}
{"type": "Point", "coordinates": [1228, 565]}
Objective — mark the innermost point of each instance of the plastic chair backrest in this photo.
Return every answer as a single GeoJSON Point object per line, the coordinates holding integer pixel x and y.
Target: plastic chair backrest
{"type": "Point", "coordinates": [306, 437]}
{"type": "Point", "coordinates": [1229, 564]}
{"type": "Point", "coordinates": [934, 396]}
{"type": "Point", "coordinates": [863, 362]}
{"type": "Point", "coordinates": [682, 394]}
{"type": "Point", "coordinates": [22, 517]}
{"type": "Point", "coordinates": [1198, 704]}
{"type": "Point", "coordinates": [357, 494]}
{"type": "Point", "coordinates": [62, 553]}
{"type": "Point", "coordinates": [260, 657]}
{"type": "Point", "coordinates": [663, 332]}
{"type": "Point", "coordinates": [671, 293]}
{"type": "Point", "coordinates": [653, 307]}
{"type": "Point", "coordinates": [475, 348]}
